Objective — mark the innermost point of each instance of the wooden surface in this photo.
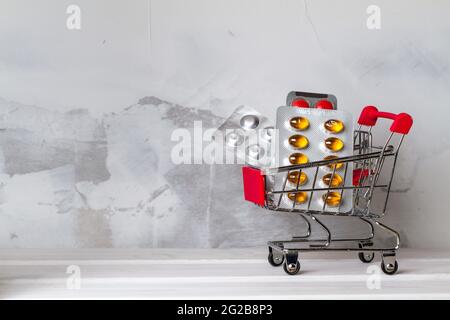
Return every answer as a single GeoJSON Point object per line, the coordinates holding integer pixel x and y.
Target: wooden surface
{"type": "Point", "coordinates": [216, 274]}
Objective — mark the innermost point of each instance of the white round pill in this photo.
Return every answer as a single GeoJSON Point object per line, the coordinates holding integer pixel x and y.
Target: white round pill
{"type": "Point", "coordinates": [268, 133]}
{"type": "Point", "coordinates": [234, 138]}
{"type": "Point", "coordinates": [255, 151]}
{"type": "Point", "coordinates": [249, 121]}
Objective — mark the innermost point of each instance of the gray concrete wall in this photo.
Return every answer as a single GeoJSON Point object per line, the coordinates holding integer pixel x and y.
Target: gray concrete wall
{"type": "Point", "coordinates": [86, 115]}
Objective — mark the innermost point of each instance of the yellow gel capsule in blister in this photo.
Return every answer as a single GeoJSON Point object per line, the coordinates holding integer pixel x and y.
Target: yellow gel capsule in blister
{"type": "Point", "coordinates": [299, 123]}
{"type": "Point", "coordinates": [336, 181]}
{"type": "Point", "coordinates": [298, 158]}
{"type": "Point", "coordinates": [298, 141]}
{"type": "Point", "coordinates": [298, 197]}
{"type": "Point", "coordinates": [334, 144]}
{"type": "Point", "coordinates": [293, 177]}
{"type": "Point", "coordinates": [332, 198]}
{"type": "Point", "coordinates": [334, 126]}
{"type": "Point", "coordinates": [338, 165]}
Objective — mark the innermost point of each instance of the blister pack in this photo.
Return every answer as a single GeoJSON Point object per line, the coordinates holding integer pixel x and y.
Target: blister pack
{"type": "Point", "coordinates": [311, 100]}
{"type": "Point", "coordinates": [306, 135]}
{"type": "Point", "coordinates": [247, 136]}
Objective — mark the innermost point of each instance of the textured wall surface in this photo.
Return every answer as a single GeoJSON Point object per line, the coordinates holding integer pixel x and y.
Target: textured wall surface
{"type": "Point", "coordinates": [86, 115]}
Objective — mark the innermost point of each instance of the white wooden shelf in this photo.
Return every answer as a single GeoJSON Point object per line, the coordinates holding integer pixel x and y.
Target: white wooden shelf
{"type": "Point", "coordinates": [217, 274]}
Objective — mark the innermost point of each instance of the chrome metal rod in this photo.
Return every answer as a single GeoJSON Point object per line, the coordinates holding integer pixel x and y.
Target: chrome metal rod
{"type": "Point", "coordinates": [313, 186]}
{"type": "Point", "coordinates": [392, 174]}
{"type": "Point", "coordinates": [325, 189]}
{"type": "Point", "coordinates": [372, 155]}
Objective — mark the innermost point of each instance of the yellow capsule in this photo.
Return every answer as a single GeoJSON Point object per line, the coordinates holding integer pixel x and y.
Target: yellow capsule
{"type": "Point", "coordinates": [332, 198]}
{"type": "Point", "coordinates": [298, 158]}
{"type": "Point", "coordinates": [299, 123]}
{"type": "Point", "coordinates": [293, 177]}
{"type": "Point", "coordinates": [334, 126]}
{"type": "Point", "coordinates": [298, 141]}
{"type": "Point", "coordinates": [338, 165]}
{"type": "Point", "coordinates": [336, 181]}
{"type": "Point", "coordinates": [298, 197]}
{"type": "Point", "coordinates": [334, 144]}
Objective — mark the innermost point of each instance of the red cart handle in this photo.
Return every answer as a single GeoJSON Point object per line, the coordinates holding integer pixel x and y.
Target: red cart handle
{"type": "Point", "coordinates": [402, 121]}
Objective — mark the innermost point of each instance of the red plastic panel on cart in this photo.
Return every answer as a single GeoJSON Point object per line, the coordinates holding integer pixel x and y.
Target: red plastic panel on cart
{"type": "Point", "coordinates": [254, 184]}
{"type": "Point", "coordinates": [358, 175]}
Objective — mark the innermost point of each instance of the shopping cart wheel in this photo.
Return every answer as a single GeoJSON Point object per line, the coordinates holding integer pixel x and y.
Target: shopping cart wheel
{"type": "Point", "coordinates": [291, 265]}
{"type": "Point", "coordinates": [291, 268]}
{"type": "Point", "coordinates": [276, 259]}
{"type": "Point", "coordinates": [366, 257]}
{"type": "Point", "coordinates": [389, 264]}
{"type": "Point", "coordinates": [389, 268]}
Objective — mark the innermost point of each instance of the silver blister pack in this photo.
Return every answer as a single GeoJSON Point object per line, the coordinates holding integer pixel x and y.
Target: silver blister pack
{"type": "Point", "coordinates": [311, 100]}
{"type": "Point", "coordinates": [247, 136]}
{"type": "Point", "coordinates": [302, 137]}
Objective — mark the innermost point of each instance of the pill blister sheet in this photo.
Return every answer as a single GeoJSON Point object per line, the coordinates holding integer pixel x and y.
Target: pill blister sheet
{"type": "Point", "coordinates": [314, 149]}
{"type": "Point", "coordinates": [246, 136]}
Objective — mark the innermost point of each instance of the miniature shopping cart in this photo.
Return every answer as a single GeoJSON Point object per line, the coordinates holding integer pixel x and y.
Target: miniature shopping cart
{"type": "Point", "coordinates": [373, 170]}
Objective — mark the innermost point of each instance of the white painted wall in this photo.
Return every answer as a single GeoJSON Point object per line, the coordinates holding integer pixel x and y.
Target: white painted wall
{"type": "Point", "coordinates": [101, 177]}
